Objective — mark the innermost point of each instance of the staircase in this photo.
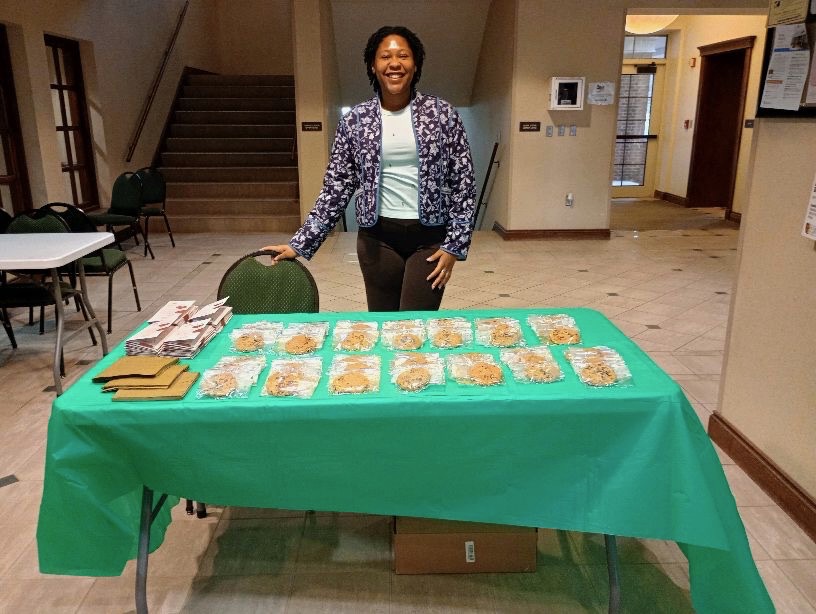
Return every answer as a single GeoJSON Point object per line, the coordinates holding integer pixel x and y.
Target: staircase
{"type": "Point", "coordinates": [229, 158]}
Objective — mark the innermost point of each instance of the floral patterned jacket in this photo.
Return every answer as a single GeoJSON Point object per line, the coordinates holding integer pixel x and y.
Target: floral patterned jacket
{"type": "Point", "coordinates": [446, 183]}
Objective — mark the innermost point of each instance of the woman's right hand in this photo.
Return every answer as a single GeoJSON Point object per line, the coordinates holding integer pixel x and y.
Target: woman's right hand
{"type": "Point", "coordinates": [285, 252]}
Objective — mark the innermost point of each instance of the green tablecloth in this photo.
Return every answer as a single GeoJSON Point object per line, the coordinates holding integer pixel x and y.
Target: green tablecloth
{"type": "Point", "coordinates": [625, 460]}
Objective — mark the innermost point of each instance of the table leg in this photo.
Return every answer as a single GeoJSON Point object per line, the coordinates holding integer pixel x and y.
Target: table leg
{"type": "Point", "coordinates": [60, 325]}
{"type": "Point", "coordinates": [89, 307]}
{"type": "Point", "coordinates": [146, 519]}
{"type": "Point", "coordinates": [614, 573]}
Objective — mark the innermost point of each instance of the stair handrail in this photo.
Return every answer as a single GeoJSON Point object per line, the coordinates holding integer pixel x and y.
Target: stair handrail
{"type": "Point", "coordinates": [481, 200]}
{"type": "Point", "coordinates": [155, 86]}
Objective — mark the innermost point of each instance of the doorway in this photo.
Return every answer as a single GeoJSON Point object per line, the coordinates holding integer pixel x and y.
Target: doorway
{"type": "Point", "coordinates": [15, 192]}
{"type": "Point", "coordinates": [718, 128]}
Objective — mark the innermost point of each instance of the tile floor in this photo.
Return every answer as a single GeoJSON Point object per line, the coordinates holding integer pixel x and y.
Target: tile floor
{"type": "Point", "coordinates": [668, 290]}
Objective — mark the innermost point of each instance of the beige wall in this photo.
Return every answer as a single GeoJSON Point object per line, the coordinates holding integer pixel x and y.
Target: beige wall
{"type": "Point", "coordinates": [255, 37]}
{"type": "Point", "coordinates": [769, 385]}
{"type": "Point", "coordinates": [119, 63]}
{"type": "Point", "coordinates": [686, 34]}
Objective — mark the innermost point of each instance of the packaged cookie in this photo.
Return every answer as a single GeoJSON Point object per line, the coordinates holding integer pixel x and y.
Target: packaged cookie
{"type": "Point", "coordinates": [249, 366]}
{"type": "Point", "coordinates": [413, 371]}
{"type": "Point", "coordinates": [598, 366]}
{"type": "Point", "coordinates": [403, 334]}
{"type": "Point", "coordinates": [535, 365]}
{"type": "Point", "coordinates": [475, 368]}
{"type": "Point", "coordinates": [447, 333]}
{"type": "Point", "coordinates": [499, 332]}
{"type": "Point", "coordinates": [557, 329]}
{"type": "Point", "coordinates": [302, 338]}
{"type": "Point", "coordinates": [221, 383]}
{"type": "Point", "coordinates": [354, 374]}
{"type": "Point", "coordinates": [349, 336]}
{"type": "Point", "coordinates": [255, 337]}
{"type": "Point", "coordinates": [293, 377]}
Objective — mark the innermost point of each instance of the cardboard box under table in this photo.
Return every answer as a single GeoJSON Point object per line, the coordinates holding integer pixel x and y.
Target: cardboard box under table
{"type": "Point", "coordinates": [426, 546]}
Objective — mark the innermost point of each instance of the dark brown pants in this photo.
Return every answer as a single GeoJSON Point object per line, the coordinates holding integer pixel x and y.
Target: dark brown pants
{"type": "Point", "coordinates": [392, 256]}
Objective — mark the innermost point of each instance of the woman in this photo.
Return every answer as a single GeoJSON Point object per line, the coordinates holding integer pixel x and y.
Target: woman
{"type": "Point", "coordinates": [408, 155]}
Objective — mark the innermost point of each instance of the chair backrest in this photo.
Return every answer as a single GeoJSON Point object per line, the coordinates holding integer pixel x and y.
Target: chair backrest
{"type": "Point", "coordinates": [153, 185]}
{"type": "Point", "coordinates": [253, 287]}
{"type": "Point", "coordinates": [5, 219]}
{"type": "Point", "coordinates": [76, 219]}
{"type": "Point", "coordinates": [38, 220]}
{"type": "Point", "coordinates": [126, 195]}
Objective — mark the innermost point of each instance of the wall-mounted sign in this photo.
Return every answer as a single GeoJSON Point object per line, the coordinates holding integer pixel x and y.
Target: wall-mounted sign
{"type": "Point", "coordinates": [311, 126]}
{"type": "Point", "coordinates": [602, 93]}
{"type": "Point", "coordinates": [529, 126]}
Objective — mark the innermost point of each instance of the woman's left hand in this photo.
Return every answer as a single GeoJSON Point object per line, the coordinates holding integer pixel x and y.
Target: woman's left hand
{"type": "Point", "coordinates": [444, 266]}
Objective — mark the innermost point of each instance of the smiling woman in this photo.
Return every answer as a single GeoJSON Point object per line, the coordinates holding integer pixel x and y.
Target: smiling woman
{"type": "Point", "coordinates": [408, 155]}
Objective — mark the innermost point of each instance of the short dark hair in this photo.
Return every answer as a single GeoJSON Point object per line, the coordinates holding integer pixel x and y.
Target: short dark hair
{"type": "Point", "coordinates": [413, 42]}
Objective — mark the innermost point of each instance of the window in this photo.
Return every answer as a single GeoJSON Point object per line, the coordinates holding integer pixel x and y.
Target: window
{"type": "Point", "coordinates": [631, 145]}
{"type": "Point", "coordinates": [639, 47]}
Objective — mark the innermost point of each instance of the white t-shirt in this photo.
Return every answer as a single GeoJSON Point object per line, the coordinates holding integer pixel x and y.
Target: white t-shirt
{"type": "Point", "coordinates": [399, 170]}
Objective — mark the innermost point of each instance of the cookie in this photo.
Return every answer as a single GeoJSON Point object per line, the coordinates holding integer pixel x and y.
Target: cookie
{"type": "Point", "coordinates": [300, 344]}
{"type": "Point", "coordinates": [485, 374]}
{"type": "Point", "coordinates": [447, 338]}
{"type": "Point", "coordinates": [564, 334]}
{"type": "Point", "coordinates": [504, 335]}
{"type": "Point", "coordinates": [249, 342]}
{"type": "Point", "coordinates": [598, 374]}
{"type": "Point", "coordinates": [282, 383]}
{"type": "Point", "coordinates": [355, 341]}
{"type": "Point", "coordinates": [413, 379]}
{"type": "Point", "coordinates": [407, 341]}
{"type": "Point", "coordinates": [353, 381]}
{"type": "Point", "coordinates": [219, 384]}
{"type": "Point", "coordinates": [540, 372]}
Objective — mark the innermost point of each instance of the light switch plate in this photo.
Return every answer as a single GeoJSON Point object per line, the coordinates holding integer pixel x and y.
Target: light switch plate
{"type": "Point", "coordinates": [549, 130]}
{"type": "Point", "coordinates": [561, 130]}
{"type": "Point", "coordinates": [573, 130]}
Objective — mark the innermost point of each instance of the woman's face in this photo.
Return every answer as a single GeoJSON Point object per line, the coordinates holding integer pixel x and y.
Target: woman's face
{"type": "Point", "coordinates": [394, 68]}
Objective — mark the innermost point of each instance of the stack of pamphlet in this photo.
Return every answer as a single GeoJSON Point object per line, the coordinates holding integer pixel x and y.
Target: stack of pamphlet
{"type": "Point", "coordinates": [179, 329]}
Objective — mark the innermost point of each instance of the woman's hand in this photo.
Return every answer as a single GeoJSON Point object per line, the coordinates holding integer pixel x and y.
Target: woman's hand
{"type": "Point", "coordinates": [285, 252]}
{"type": "Point", "coordinates": [444, 265]}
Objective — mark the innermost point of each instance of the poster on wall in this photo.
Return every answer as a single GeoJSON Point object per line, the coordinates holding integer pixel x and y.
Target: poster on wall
{"type": "Point", "coordinates": [787, 69]}
{"type": "Point", "coordinates": [787, 11]}
{"type": "Point", "coordinates": [809, 227]}
{"type": "Point", "coordinates": [810, 95]}
{"type": "Point", "coordinates": [601, 93]}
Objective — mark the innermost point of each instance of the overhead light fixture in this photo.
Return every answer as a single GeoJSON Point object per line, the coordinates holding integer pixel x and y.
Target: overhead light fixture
{"type": "Point", "coordinates": [648, 24]}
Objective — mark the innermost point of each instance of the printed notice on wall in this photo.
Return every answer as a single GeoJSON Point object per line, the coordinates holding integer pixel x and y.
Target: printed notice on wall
{"type": "Point", "coordinates": [787, 69]}
{"type": "Point", "coordinates": [809, 227]}
{"type": "Point", "coordinates": [810, 95]}
{"type": "Point", "coordinates": [787, 11]}
{"type": "Point", "coordinates": [601, 93]}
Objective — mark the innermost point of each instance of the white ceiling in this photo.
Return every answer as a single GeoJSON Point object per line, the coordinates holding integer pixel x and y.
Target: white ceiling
{"type": "Point", "coordinates": [450, 30]}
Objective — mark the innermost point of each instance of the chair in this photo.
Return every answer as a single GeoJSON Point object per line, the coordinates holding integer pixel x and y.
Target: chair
{"type": "Point", "coordinates": [5, 220]}
{"type": "Point", "coordinates": [32, 289]}
{"type": "Point", "coordinates": [104, 262]}
{"type": "Point", "coordinates": [124, 212]}
{"type": "Point", "coordinates": [252, 287]}
{"type": "Point", "coordinates": [153, 192]}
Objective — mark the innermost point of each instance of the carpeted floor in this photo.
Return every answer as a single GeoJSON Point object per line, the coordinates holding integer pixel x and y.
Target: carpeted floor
{"type": "Point", "coordinates": [654, 214]}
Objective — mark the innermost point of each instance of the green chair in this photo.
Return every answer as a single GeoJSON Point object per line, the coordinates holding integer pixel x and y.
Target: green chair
{"type": "Point", "coordinates": [252, 287]}
{"type": "Point", "coordinates": [124, 212]}
{"type": "Point", "coordinates": [103, 262]}
{"type": "Point", "coordinates": [153, 191]}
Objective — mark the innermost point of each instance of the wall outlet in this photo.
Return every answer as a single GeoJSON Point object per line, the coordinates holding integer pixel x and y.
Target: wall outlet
{"type": "Point", "coordinates": [569, 200]}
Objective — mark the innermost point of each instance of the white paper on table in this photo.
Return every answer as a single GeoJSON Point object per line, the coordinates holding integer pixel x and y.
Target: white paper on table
{"type": "Point", "coordinates": [809, 227]}
{"type": "Point", "coordinates": [207, 311]}
{"type": "Point", "coordinates": [172, 311]}
{"type": "Point", "coordinates": [602, 92]}
{"type": "Point", "coordinates": [787, 69]}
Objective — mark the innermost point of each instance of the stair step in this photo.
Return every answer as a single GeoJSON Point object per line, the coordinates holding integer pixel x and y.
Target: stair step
{"type": "Point", "coordinates": [235, 117]}
{"type": "Point", "coordinates": [240, 80]}
{"type": "Point", "coordinates": [236, 104]}
{"type": "Point", "coordinates": [239, 159]}
{"type": "Point", "coordinates": [229, 174]}
{"type": "Point", "coordinates": [233, 206]}
{"type": "Point", "coordinates": [245, 189]}
{"type": "Point", "coordinates": [238, 91]}
{"type": "Point", "coordinates": [226, 223]}
{"type": "Point", "coordinates": [231, 145]}
{"type": "Point", "coordinates": [233, 130]}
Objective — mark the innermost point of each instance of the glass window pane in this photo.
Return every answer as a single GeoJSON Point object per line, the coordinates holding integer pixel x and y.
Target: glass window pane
{"type": "Point", "coordinates": [4, 169]}
{"type": "Point", "coordinates": [5, 199]}
{"type": "Point", "coordinates": [628, 46]}
{"type": "Point", "coordinates": [72, 139]}
{"type": "Point", "coordinates": [61, 146]}
{"type": "Point", "coordinates": [55, 104]}
{"type": "Point", "coordinates": [52, 73]}
{"type": "Point", "coordinates": [80, 197]}
{"type": "Point", "coordinates": [650, 47]}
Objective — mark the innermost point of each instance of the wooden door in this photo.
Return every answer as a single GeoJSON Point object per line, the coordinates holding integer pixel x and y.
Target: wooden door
{"type": "Point", "coordinates": [718, 125]}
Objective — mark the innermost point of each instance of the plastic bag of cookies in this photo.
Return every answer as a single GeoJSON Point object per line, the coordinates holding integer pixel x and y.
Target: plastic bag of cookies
{"type": "Point", "coordinates": [293, 377]}
{"type": "Point", "coordinates": [349, 336]}
{"type": "Point", "coordinates": [403, 334]}
{"type": "Point", "coordinates": [255, 336]}
{"type": "Point", "coordinates": [557, 329]}
{"type": "Point", "coordinates": [598, 366]}
{"type": "Point", "coordinates": [249, 366]}
{"type": "Point", "coordinates": [499, 332]}
{"type": "Point", "coordinates": [226, 383]}
{"type": "Point", "coordinates": [354, 374]}
{"type": "Point", "coordinates": [449, 333]}
{"type": "Point", "coordinates": [535, 364]}
{"type": "Point", "coordinates": [302, 338]}
{"type": "Point", "coordinates": [413, 371]}
{"type": "Point", "coordinates": [475, 368]}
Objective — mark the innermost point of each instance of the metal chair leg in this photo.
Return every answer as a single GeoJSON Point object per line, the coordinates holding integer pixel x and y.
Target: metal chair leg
{"type": "Point", "coordinates": [81, 307]}
{"type": "Point", "coordinates": [110, 302]}
{"type": "Point", "coordinates": [201, 510]}
{"type": "Point", "coordinates": [169, 232]}
{"type": "Point", "coordinates": [614, 573]}
{"type": "Point", "coordinates": [147, 244]}
{"type": "Point", "coordinates": [9, 331]}
{"type": "Point", "coordinates": [135, 290]}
